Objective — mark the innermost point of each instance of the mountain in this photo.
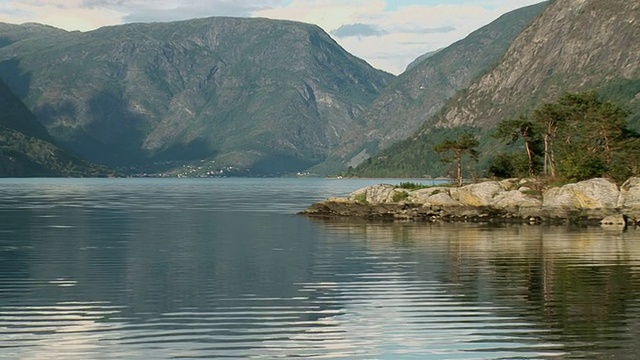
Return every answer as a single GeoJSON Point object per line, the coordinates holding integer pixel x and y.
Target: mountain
{"type": "Point", "coordinates": [10, 33]}
{"type": "Point", "coordinates": [575, 45]}
{"type": "Point", "coordinates": [422, 90]}
{"type": "Point", "coordinates": [264, 95]}
{"type": "Point", "coordinates": [26, 148]}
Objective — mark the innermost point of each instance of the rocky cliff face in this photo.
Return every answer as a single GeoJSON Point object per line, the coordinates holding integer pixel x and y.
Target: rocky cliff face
{"type": "Point", "coordinates": [575, 45]}
{"type": "Point", "coordinates": [424, 88]}
{"type": "Point", "coordinates": [252, 93]}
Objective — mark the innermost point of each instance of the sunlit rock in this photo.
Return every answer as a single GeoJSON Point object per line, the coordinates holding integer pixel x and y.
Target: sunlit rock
{"type": "Point", "coordinates": [614, 220]}
{"type": "Point", "coordinates": [478, 194]}
{"type": "Point", "coordinates": [589, 194]}
{"type": "Point", "coordinates": [514, 199]}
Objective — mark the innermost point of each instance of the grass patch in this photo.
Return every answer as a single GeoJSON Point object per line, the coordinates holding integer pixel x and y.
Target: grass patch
{"type": "Point", "coordinates": [536, 193]}
{"type": "Point", "coordinates": [413, 186]}
{"type": "Point", "coordinates": [361, 198]}
{"type": "Point", "coordinates": [399, 196]}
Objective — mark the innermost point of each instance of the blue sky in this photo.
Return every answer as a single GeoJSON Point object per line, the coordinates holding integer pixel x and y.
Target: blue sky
{"type": "Point", "coordinates": [388, 34]}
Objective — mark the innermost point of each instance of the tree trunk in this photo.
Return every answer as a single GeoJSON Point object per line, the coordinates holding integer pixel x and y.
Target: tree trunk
{"type": "Point", "coordinates": [547, 160]}
{"type": "Point", "coordinates": [530, 156]}
{"type": "Point", "coordinates": [459, 156]}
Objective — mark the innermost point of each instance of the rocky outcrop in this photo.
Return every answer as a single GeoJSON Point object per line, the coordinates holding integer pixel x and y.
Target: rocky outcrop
{"type": "Point", "coordinates": [594, 201]}
{"type": "Point", "coordinates": [629, 201]}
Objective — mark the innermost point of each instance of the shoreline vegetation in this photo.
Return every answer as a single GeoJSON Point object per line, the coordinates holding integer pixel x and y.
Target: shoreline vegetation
{"type": "Point", "coordinates": [596, 201]}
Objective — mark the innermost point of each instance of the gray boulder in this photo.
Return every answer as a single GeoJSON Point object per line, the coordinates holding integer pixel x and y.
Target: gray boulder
{"type": "Point", "coordinates": [422, 196]}
{"type": "Point", "coordinates": [514, 199]}
{"type": "Point", "coordinates": [442, 199]}
{"type": "Point", "coordinates": [377, 194]}
{"type": "Point", "coordinates": [589, 194]}
{"type": "Point", "coordinates": [629, 200]}
{"type": "Point", "coordinates": [478, 194]}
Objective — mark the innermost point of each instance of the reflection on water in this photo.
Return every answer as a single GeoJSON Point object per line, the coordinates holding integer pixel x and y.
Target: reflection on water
{"type": "Point", "coordinates": [224, 269]}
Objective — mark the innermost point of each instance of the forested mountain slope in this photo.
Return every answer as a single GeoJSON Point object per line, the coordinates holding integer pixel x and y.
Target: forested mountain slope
{"type": "Point", "coordinates": [264, 95]}
{"type": "Point", "coordinates": [26, 148]}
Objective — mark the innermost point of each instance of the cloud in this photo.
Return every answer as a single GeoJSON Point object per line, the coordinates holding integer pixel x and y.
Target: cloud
{"type": "Point", "coordinates": [390, 34]}
{"type": "Point", "coordinates": [357, 30]}
{"type": "Point", "coordinates": [162, 10]}
{"type": "Point", "coordinates": [66, 14]}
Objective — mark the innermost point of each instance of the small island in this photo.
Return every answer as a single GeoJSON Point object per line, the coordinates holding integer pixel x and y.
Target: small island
{"type": "Point", "coordinates": [596, 201]}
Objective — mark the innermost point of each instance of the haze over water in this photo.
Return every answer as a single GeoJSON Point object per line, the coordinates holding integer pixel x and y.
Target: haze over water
{"type": "Point", "coordinates": [223, 268]}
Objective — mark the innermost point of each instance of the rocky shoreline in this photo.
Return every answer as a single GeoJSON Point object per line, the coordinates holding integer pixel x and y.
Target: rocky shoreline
{"type": "Point", "coordinates": [591, 202]}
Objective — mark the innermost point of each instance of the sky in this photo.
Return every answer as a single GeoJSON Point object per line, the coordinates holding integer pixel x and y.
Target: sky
{"type": "Point", "coordinates": [388, 34]}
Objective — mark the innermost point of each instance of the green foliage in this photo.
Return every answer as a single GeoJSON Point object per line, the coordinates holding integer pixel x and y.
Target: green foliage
{"type": "Point", "coordinates": [584, 137]}
{"type": "Point", "coordinates": [465, 144]}
{"type": "Point", "coordinates": [580, 165]}
{"type": "Point", "coordinates": [412, 186]}
{"type": "Point", "coordinates": [361, 198]}
{"type": "Point", "coordinates": [399, 196]}
{"type": "Point", "coordinates": [509, 165]}
{"type": "Point", "coordinates": [414, 157]}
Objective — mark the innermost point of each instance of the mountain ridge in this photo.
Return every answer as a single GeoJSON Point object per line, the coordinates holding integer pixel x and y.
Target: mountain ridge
{"type": "Point", "coordinates": [233, 90]}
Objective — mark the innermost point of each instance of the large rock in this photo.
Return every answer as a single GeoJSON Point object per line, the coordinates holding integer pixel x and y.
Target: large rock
{"type": "Point", "coordinates": [629, 200]}
{"type": "Point", "coordinates": [589, 194]}
{"type": "Point", "coordinates": [630, 193]}
{"type": "Point", "coordinates": [422, 196]}
{"type": "Point", "coordinates": [442, 199]}
{"type": "Point", "coordinates": [514, 199]}
{"type": "Point", "coordinates": [377, 194]}
{"type": "Point", "coordinates": [478, 194]}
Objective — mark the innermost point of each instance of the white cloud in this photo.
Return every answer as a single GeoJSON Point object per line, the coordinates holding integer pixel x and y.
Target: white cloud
{"type": "Point", "coordinates": [66, 14]}
{"type": "Point", "coordinates": [387, 39]}
{"type": "Point", "coordinates": [402, 34]}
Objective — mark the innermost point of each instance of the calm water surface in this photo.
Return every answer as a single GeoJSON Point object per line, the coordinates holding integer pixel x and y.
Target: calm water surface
{"type": "Point", "coordinates": [223, 268]}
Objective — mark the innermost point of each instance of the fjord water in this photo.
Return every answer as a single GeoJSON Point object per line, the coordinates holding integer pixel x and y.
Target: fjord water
{"type": "Point", "coordinates": [224, 268]}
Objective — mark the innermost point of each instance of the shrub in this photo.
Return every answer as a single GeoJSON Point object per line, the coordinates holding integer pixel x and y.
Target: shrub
{"type": "Point", "coordinates": [361, 198]}
{"type": "Point", "coordinates": [412, 186]}
{"type": "Point", "coordinates": [399, 196]}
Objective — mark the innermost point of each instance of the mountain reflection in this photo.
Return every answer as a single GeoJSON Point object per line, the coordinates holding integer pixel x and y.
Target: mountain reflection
{"type": "Point", "coordinates": [201, 272]}
{"type": "Point", "coordinates": [580, 285]}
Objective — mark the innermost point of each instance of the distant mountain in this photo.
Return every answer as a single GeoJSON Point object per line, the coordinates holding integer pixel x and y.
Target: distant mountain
{"type": "Point", "coordinates": [265, 95]}
{"type": "Point", "coordinates": [26, 148]}
{"type": "Point", "coordinates": [576, 45]}
{"type": "Point", "coordinates": [422, 90]}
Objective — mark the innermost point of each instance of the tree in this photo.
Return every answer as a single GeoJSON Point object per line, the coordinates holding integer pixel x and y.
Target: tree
{"type": "Point", "coordinates": [549, 117]}
{"type": "Point", "coordinates": [514, 129]}
{"type": "Point", "coordinates": [464, 144]}
{"type": "Point", "coordinates": [589, 137]}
